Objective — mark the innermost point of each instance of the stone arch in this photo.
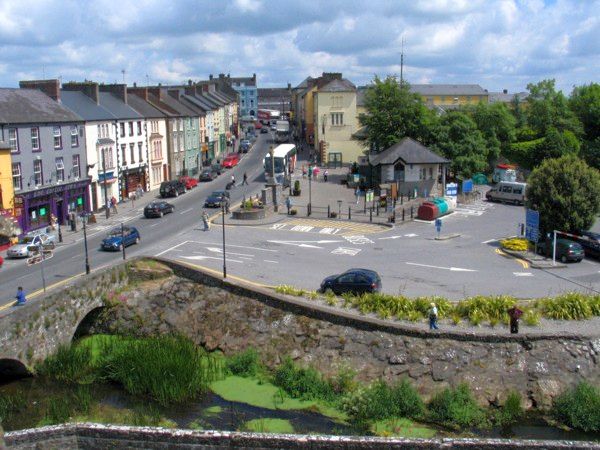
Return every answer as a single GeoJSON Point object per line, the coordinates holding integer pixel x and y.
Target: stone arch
{"type": "Point", "coordinates": [12, 368]}
{"type": "Point", "coordinates": [83, 327]}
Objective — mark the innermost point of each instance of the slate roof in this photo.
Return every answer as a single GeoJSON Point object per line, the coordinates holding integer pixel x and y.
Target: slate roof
{"type": "Point", "coordinates": [338, 86]}
{"type": "Point", "coordinates": [118, 108]}
{"type": "Point", "coordinates": [248, 81]}
{"type": "Point", "coordinates": [84, 106]}
{"type": "Point", "coordinates": [508, 97]}
{"type": "Point", "coordinates": [31, 106]}
{"type": "Point", "coordinates": [273, 93]}
{"type": "Point", "coordinates": [216, 100]}
{"type": "Point", "coordinates": [304, 83]}
{"type": "Point", "coordinates": [447, 89]}
{"type": "Point", "coordinates": [143, 107]}
{"type": "Point", "coordinates": [188, 100]}
{"type": "Point", "coordinates": [223, 96]}
{"type": "Point", "coordinates": [409, 151]}
{"type": "Point", "coordinates": [175, 105]}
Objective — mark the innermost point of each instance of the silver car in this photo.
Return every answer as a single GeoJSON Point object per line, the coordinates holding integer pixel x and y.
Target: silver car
{"type": "Point", "coordinates": [27, 246]}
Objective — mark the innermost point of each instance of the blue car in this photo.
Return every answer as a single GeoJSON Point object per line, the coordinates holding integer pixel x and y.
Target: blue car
{"type": "Point", "coordinates": [115, 239]}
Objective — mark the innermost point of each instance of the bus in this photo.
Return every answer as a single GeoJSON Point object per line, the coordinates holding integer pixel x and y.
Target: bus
{"type": "Point", "coordinates": [284, 157]}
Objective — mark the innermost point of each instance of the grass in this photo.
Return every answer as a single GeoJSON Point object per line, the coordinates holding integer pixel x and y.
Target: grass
{"type": "Point", "coordinates": [401, 428]}
{"type": "Point", "coordinates": [281, 426]}
{"type": "Point", "coordinates": [303, 382]}
{"type": "Point", "coordinates": [244, 364]}
{"type": "Point", "coordinates": [579, 407]}
{"type": "Point", "coordinates": [456, 407]}
{"type": "Point", "coordinates": [511, 412]}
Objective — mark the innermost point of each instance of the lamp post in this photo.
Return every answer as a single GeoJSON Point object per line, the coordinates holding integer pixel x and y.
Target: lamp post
{"type": "Point", "coordinates": [41, 250]}
{"type": "Point", "coordinates": [85, 246]}
{"type": "Point", "coordinates": [310, 174]}
{"type": "Point", "coordinates": [223, 223]}
{"type": "Point", "coordinates": [105, 187]}
{"type": "Point", "coordinates": [123, 239]}
{"type": "Point", "coordinates": [274, 182]}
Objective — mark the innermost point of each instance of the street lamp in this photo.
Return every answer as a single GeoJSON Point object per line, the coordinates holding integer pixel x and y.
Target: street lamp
{"type": "Point", "coordinates": [105, 186]}
{"type": "Point", "coordinates": [87, 260]}
{"type": "Point", "coordinates": [310, 174]}
{"type": "Point", "coordinates": [41, 251]}
{"type": "Point", "coordinates": [223, 223]}
{"type": "Point", "coordinates": [272, 154]}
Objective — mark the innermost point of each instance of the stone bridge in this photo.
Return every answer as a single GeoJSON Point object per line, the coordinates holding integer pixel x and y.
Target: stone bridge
{"type": "Point", "coordinates": [32, 332]}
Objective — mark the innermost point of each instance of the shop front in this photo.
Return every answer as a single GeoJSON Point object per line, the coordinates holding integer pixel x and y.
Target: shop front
{"type": "Point", "coordinates": [104, 192]}
{"type": "Point", "coordinates": [34, 209]}
{"type": "Point", "coordinates": [130, 180]}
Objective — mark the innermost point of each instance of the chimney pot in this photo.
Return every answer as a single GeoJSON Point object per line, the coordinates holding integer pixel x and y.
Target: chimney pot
{"type": "Point", "coordinates": [505, 91]}
{"type": "Point", "coordinates": [49, 87]}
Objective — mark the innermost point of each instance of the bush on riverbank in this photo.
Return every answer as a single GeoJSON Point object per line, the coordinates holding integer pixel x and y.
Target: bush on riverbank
{"type": "Point", "coordinates": [570, 306]}
{"type": "Point", "coordinates": [456, 407]}
{"type": "Point", "coordinates": [579, 407]}
{"type": "Point", "coordinates": [511, 412]}
{"type": "Point", "coordinates": [304, 383]}
{"type": "Point", "coordinates": [244, 364]}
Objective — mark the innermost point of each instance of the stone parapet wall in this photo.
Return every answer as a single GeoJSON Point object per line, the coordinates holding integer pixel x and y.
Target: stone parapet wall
{"type": "Point", "coordinates": [106, 437]}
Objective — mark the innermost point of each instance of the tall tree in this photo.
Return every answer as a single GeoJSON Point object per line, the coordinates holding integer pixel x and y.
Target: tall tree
{"type": "Point", "coordinates": [393, 112]}
{"type": "Point", "coordinates": [554, 145]}
{"type": "Point", "coordinates": [566, 192]}
{"type": "Point", "coordinates": [549, 109]}
{"type": "Point", "coordinates": [497, 125]}
{"type": "Point", "coordinates": [585, 103]}
{"type": "Point", "coordinates": [458, 139]}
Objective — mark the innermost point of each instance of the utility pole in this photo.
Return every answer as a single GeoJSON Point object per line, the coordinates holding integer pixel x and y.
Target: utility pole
{"type": "Point", "coordinates": [87, 260]}
{"type": "Point", "coordinates": [402, 63]}
{"type": "Point", "coordinates": [106, 201]}
{"type": "Point", "coordinates": [223, 223]}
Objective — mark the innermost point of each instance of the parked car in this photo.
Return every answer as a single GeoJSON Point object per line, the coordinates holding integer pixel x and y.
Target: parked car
{"type": "Point", "coordinates": [172, 188]}
{"type": "Point", "coordinates": [1, 261]}
{"type": "Point", "coordinates": [264, 130]}
{"type": "Point", "coordinates": [188, 182]}
{"type": "Point", "coordinates": [590, 242]}
{"type": "Point", "coordinates": [118, 238]}
{"type": "Point", "coordinates": [231, 160]}
{"type": "Point", "coordinates": [245, 146]}
{"type": "Point", "coordinates": [27, 245]}
{"type": "Point", "coordinates": [207, 174]}
{"type": "Point", "coordinates": [158, 209]}
{"type": "Point", "coordinates": [273, 127]}
{"type": "Point", "coordinates": [215, 198]}
{"type": "Point", "coordinates": [217, 168]}
{"type": "Point", "coordinates": [566, 250]}
{"type": "Point", "coordinates": [355, 281]}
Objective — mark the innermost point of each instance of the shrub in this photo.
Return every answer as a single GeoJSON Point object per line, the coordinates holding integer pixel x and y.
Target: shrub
{"type": "Point", "coordinates": [579, 407]}
{"type": "Point", "coordinates": [569, 306]}
{"type": "Point", "coordinates": [70, 364]}
{"type": "Point", "coordinates": [293, 212]}
{"type": "Point", "coordinates": [244, 364]}
{"type": "Point", "coordinates": [304, 383]}
{"type": "Point", "coordinates": [512, 410]}
{"type": "Point", "coordinates": [456, 407]}
{"type": "Point", "coordinates": [531, 317]}
{"type": "Point", "coordinates": [515, 244]}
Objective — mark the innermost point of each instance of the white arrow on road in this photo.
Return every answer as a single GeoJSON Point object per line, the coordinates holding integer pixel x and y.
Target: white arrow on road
{"type": "Point", "coordinates": [200, 258]}
{"type": "Point", "coordinates": [452, 269]}
{"type": "Point", "coordinates": [220, 250]}
{"type": "Point", "coordinates": [304, 244]}
{"type": "Point", "coordinates": [399, 236]}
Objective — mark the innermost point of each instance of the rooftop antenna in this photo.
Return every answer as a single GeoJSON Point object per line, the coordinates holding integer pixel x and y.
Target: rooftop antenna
{"type": "Point", "coordinates": [123, 72]}
{"type": "Point", "coordinates": [43, 73]}
{"type": "Point", "coordinates": [402, 63]}
{"type": "Point", "coordinates": [147, 80]}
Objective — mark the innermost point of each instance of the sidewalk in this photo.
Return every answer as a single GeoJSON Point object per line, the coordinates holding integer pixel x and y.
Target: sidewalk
{"type": "Point", "coordinates": [535, 261]}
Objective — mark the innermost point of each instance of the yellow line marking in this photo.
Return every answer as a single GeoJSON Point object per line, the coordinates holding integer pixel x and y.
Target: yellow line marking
{"type": "Point", "coordinates": [523, 263]}
{"type": "Point", "coordinates": [229, 276]}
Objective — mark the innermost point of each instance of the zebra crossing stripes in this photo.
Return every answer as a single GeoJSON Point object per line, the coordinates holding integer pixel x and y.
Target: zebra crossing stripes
{"type": "Point", "coordinates": [329, 227]}
{"type": "Point", "coordinates": [477, 208]}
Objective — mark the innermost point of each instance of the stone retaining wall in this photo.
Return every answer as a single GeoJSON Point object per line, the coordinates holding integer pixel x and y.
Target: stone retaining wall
{"type": "Point", "coordinates": [106, 437]}
{"type": "Point", "coordinates": [230, 317]}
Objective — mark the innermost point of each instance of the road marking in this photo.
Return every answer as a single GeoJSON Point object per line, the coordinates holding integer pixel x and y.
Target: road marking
{"type": "Point", "coordinates": [200, 258]}
{"type": "Point", "coordinates": [154, 225]}
{"type": "Point", "coordinates": [269, 261]}
{"type": "Point", "coordinates": [411, 235]}
{"type": "Point", "coordinates": [452, 269]}
{"type": "Point", "coordinates": [233, 277]}
{"type": "Point", "coordinates": [238, 246]}
{"type": "Point", "coordinates": [277, 226]}
{"type": "Point", "coordinates": [186, 211]}
{"type": "Point", "coordinates": [346, 251]}
{"type": "Point", "coordinates": [220, 250]}
{"type": "Point", "coordinates": [303, 228]}
{"type": "Point", "coordinates": [171, 248]}
{"type": "Point", "coordinates": [523, 263]}
{"type": "Point", "coordinates": [358, 240]}
{"type": "Point", "coordinates": [522, 274]}
{"type": "Point", "coordinates": [489, 240]}
{"type": "Point", "coordinates": [329, 230]}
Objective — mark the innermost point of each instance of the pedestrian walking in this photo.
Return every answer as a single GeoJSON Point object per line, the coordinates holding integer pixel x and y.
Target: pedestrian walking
{"type": "Point", "coordinates": [113, 203]}
{"type": "Point", "coordinates": [139, 191]}
{"type": "Point", "coordinates": [132, 196]}
{"type": "Point", "coordinates": [232, 180]}
{"type": "Point", "coordinates": [288, 204]}
{"type": "Point", "coordinates": [245, 180]}
{"type": "Point", "coordinates": [357, 194]}
{"type": "Point", "coordinates": [21, 299]}
{"type": "Point", "coordinates": [514, 314]}
{"type": "Point", "coordinates": [316, 173]}
{"type": "Point", "coordinates": [325, 175]}
{"type": "Point", "coordinates": [205, 221]}
{"type": "Point", "coordinates": [433, 317]}
{"type": "Point", "coordinates": [303, 171]}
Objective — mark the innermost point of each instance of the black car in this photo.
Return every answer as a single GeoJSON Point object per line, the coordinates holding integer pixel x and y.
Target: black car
{"type": "Point", "coordinates": [590, 242]}
{"type": "Point", "coordinates": [355, 281]}
{"type": "Point", "coordinates": [566, 250]}
{"type": "Point", "coordinates": [208, 174]}
{"type": "Point", "coordinates": [158, 209]}
{"type": "Point", "coordinates": [214, 199]}
{"type": "Point", "coordinates": [264, 130]}
{"type": "Point", "coordinates": [172, 188]}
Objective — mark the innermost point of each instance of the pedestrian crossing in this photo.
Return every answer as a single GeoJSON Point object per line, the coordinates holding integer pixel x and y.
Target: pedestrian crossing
{"type": "Point", "coordinates": [477, 208]}
{"type": "Point", "coordinates": [328, 227]}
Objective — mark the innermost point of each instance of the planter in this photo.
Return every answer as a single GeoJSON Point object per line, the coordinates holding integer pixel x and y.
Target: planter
{"type": "Point", "coordinates": [293, 212]}
{"type": "Point", "coordinates": [296, 193]}
{"type": "Point", "coordinates": [249, 214]}
{"type": "Point", "coordinates": [332, 215]}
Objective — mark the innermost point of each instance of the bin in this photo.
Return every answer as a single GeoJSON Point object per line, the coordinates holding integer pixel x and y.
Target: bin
{"type": "Point", "coordinates": [428, 211]}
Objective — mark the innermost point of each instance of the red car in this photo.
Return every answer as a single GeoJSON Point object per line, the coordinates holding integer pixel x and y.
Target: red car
{"type": "Point", "coordinates": [189, 182]}
{"type": "Point", "coordinates": [231, 160]}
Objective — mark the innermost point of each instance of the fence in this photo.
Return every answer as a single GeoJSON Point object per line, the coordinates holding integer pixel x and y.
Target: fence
{"type": "Point", "coordinates": [360, 214]}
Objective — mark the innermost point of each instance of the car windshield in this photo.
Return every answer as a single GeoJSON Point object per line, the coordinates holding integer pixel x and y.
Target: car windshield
{"type": "Point", "coordinates": [152, 205]}
{"type": "Point", "coordinates": [206, 171]}
{"type": "Point", "coordinates": [27, 240]}
{"type": "Point", "coordinates": [217, 194]}
{"type": "Point", "coordinates": [116, 232]}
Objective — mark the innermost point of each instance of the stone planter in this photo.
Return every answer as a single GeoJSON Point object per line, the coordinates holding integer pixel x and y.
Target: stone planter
{"type": "Point", "coordinates": [296, 193]}
{"type": "Point", "coordinates": [249, 214]}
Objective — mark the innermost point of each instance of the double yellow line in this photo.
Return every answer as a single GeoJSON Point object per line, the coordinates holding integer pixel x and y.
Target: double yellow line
{"type": "Point", "coordinates": [523, 263]}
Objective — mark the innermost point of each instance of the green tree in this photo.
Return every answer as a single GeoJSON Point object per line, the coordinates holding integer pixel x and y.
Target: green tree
{"type": "Point", "coordinates": [458, 139]}
{"type": "Point", "coordinates": [549, 109]}
{"type": "Point", "coordinates": [497, 125]}
{"type": "Point", "coordinates": [566, 192]}
{"type": "Point", "coordinates": [554, 145]}
{"type": "Point", "coordinates": [585, 103]}
{"type": "Point", "coordinates": [393, 112]}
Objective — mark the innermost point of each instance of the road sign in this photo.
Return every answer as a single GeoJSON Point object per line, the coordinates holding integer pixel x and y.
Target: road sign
{"type": "Point", "coordinates": [452, 190]}
{"type": "Point", "coordinates": [369, 196]}
{"type": "Point", "coordinates": [438, 225]}
{"type": "Point", "coordinates": [467, 186]}
{"type": "Point", "coordinates": [532, 225]}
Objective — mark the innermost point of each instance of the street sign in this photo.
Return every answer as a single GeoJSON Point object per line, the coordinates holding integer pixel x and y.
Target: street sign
{"type": "Point", "coordinates": [451, 190]}
{"type": "Point", "coordinates": [467, 186]}
{"type": "Point", "coordinates": [532, 225]}
{"type": "Point", "coordinates": [438, 225]}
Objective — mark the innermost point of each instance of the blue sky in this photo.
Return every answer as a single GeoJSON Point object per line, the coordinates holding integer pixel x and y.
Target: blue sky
{"type": "Point", "coordinates": [499, 44]}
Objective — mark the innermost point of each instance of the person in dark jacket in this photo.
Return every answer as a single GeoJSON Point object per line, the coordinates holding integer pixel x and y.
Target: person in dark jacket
{"type": "Point", "coordinates": [21, 299]}
{"type": "Point", "coordinates": [514, 314]}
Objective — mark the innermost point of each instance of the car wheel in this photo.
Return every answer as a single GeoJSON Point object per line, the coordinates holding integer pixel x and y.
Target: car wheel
{"type": "Point", "coordinates": [160, 214]}
{"type": "Point", "coordinates": [563, 259]}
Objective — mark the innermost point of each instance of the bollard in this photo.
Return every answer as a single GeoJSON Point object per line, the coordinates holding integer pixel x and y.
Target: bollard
{"type": "Point", "coordinates": [394, 216]}
{"type": "Point", "coordinates": [401, 199]}
{"type": "Point", "coordinates": [328, 211]}
{"type": "Point", "coordinates": [377, 209]}
{"type": "Point", "coordinates": [349, 214]}
{"type": "Point", "coordinates": [371, 214]}
{"type": "Point", "coordinates": [411, 212]}
{"type": "Point", "coordinates": [403, 212]}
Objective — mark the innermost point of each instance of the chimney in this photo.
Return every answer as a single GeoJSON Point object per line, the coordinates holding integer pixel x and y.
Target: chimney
{"type": "Point", "coordinates": [289, 86]}
{"type": "Point", "coordinates": [156, 91]}
{"type": "Point", "coordinates": [254, 77]}
{"type": "Point", "coordinates": [505, 91]}
{"type": "Point", "coordinates": [190, 90]}
{"type": "Point", "coordinates": [221, 76]}
{"type": "Point", "coordinates": [120, 90]}
{"type": "Point", "coordinates": [141, 92]}
{"type": "Point", "coordinates": [134, 84]}
{"type": "Point", "coordinates": [210, 77]}
{"type": "Point", "coordinates": [89, 88]}
{"type": "Point", "coordinates": [49, 87]}
{"type": "Point", "coordinates": [174, 93]}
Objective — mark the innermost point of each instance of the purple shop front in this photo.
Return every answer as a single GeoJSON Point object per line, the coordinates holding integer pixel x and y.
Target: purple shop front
{"type": "Point", "coordinates": [37, 206]}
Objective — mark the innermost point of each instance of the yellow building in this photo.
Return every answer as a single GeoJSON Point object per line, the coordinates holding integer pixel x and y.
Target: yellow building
{"type": "Point", "coordinates": [450, 96]}
{"type": "Point", "coordinates": [335, 121]}
{"type": "Point", "coordinates": [7, 192]}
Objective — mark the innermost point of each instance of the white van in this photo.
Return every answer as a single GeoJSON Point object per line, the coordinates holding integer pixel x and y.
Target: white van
{"type": "Point", "coordinates": [507, 192]}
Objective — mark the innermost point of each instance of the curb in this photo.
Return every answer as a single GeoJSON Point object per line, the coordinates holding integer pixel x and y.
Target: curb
{"type": "Point", "coordinates": [448, 236]}
{"type": "Point", "coordinates": [533, 263]}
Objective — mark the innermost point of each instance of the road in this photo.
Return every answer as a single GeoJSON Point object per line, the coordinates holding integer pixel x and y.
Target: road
{"type": "Point", "coordinates": [68, 259]}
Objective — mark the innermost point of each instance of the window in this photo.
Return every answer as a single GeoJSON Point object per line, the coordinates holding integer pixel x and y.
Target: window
{"type": "Point", "coordinates": [154, 126]}
{"type": "Point", "coordinates": [13, 141]}
{"type": "Point", "coordinates": [76, 171]}
{"type": "Point", "coordinates": [37, 172]}
{"type": "Point", "coordinates": [431, 173]}
{"type": "Point", "coordinates": [122, 129]}
{"type": "Point", "coordinates": [17, 178]}
{"type": "Point", "coordinates": [469, 98]}
{"type": "Point", "coordinates": [156, 150]}
{"type": "Point", "coordinates": [57, 138]}
{"type": "Point", "coordinates": [507, 189]}
{"type": "Point", "coordinates": [108, 158]}
{"type": "Point", "coordinates": [35, 139]}
{"type": "Point", "coordinates": [132, 152]}
{"type": "Point", "coordinates": [130, 128]}
{"type": "Point", "coordinates": [139, 127]}
{"type": "Point", "coordinates": [100, 130]}
{"type": "Point", "coordinates": [336, 101]}
{"type": "Point", "coordinates": [140, 151]}
{"type": "Point", "coordinates": [157, 174]}
{"type": "Point", "coordinates": [337, 119]}
{"type": "Point", "coordinates": [60, 169]}
{"type": "Point", "coordinates": [123, 155]}
{"type": "Point", "coordinates": [74, 136]}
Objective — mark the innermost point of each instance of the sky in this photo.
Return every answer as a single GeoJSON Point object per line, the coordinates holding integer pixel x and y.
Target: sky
{"type": "Point", "coordinates": [498, 44]}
